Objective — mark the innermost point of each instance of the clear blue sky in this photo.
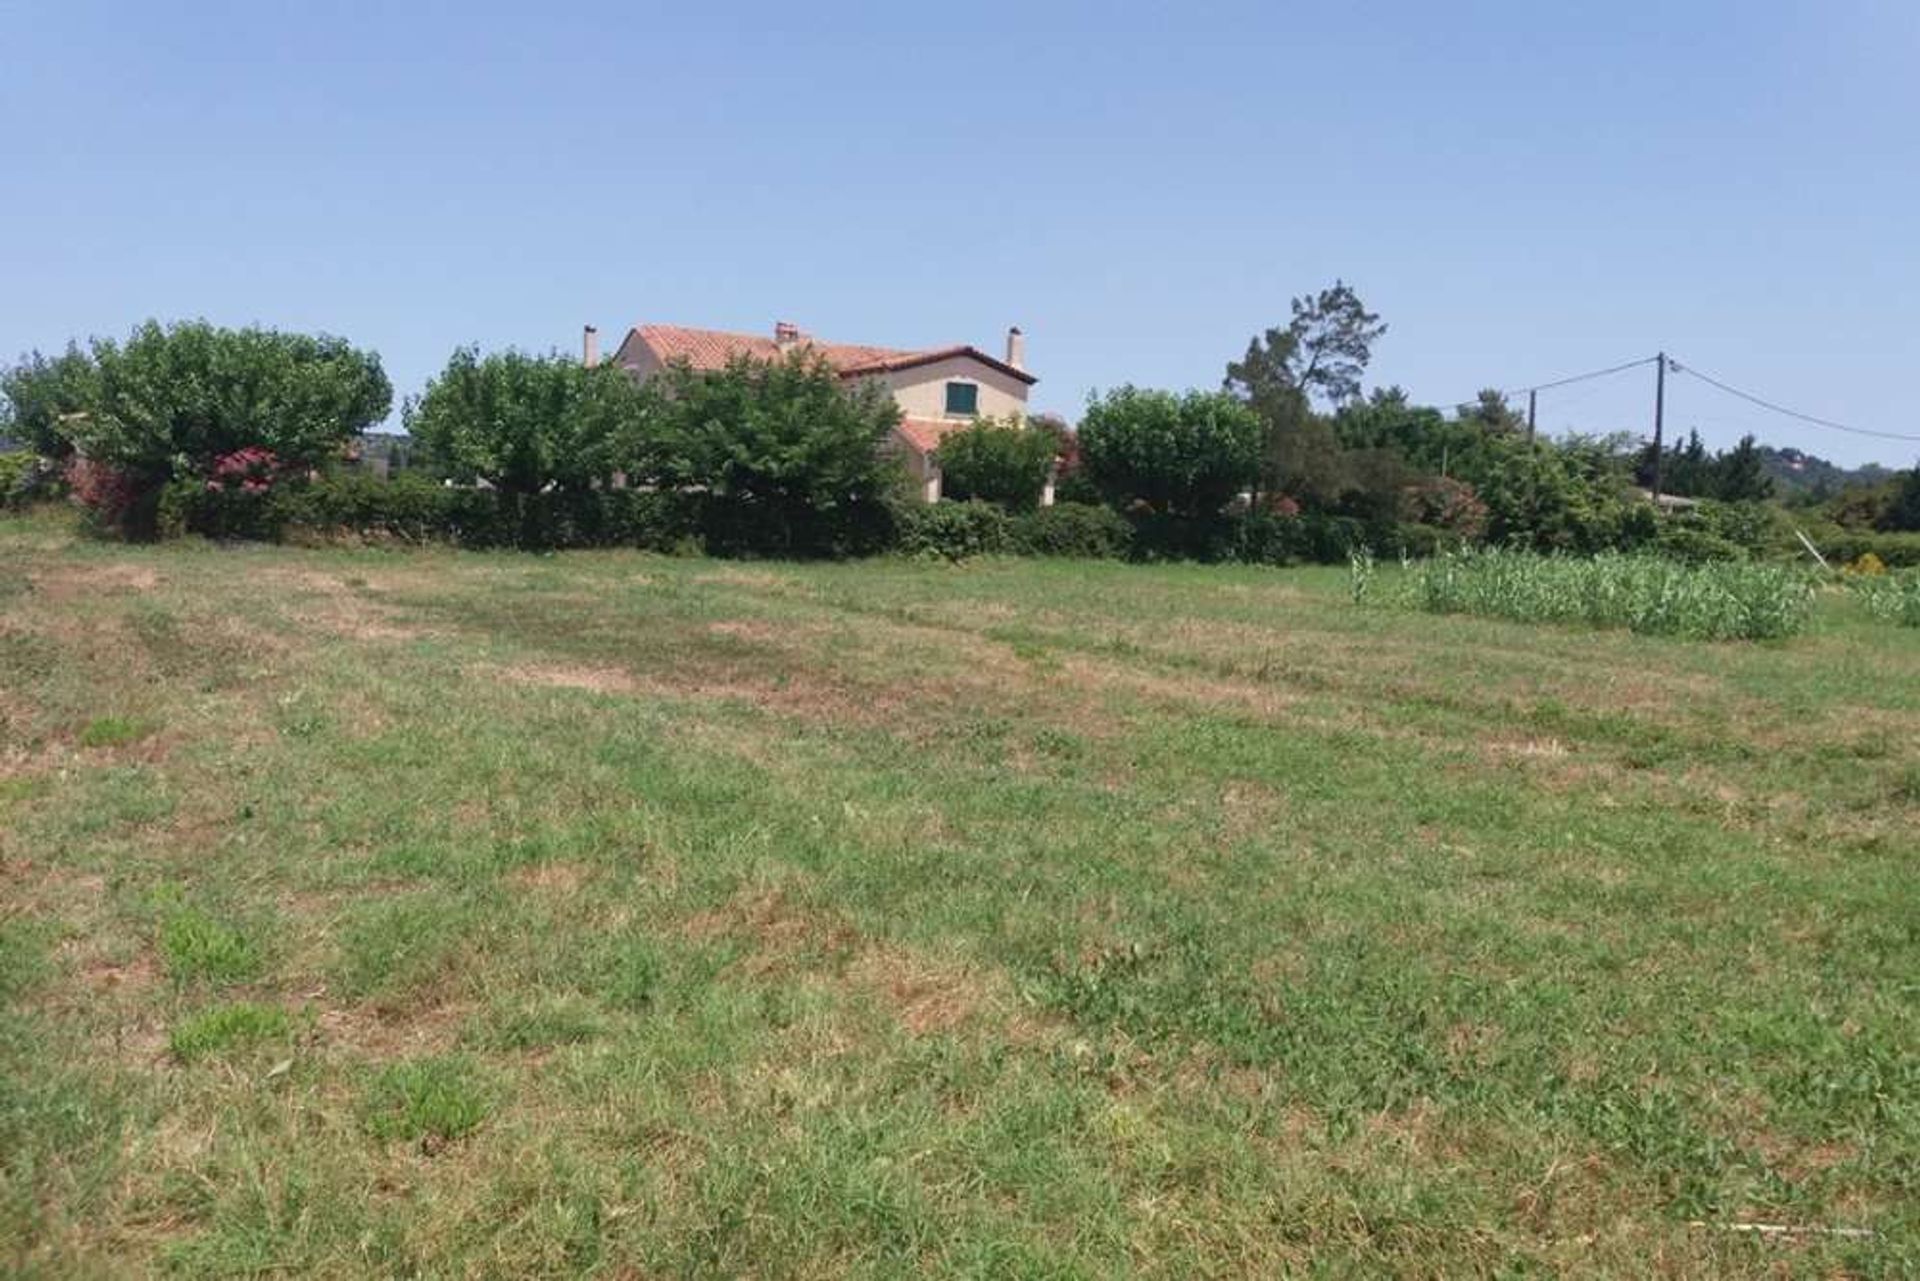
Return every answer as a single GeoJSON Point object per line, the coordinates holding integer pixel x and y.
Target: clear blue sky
{"type": "Point", "coordinates": [1523, 190]}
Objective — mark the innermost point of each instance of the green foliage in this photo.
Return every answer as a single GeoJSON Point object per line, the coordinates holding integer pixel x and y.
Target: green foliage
{"type": "Point", "coordinates": [26, 477]}
{"type": "Point", "coordinates": [410, 509]}
{"type": "Point", "coordinates": [1641, 593]}
{"type": "Point", "coordinates": [1712, 530]}
{"type": "Point", "coordinates": [523, 423]}
{"type": "Point", "coordinates": [1445, 504]}
{"type": "Point", "coordinates": [1892, 598]}
{"type": "Point", "coordinates": [1555, 497]}
{"type": "Point", "coordinates": [1003, 463]}
{"type": "Point", "coordinates": [1320, 354]}
{"type": "Point", "coordinates": [788, 457]}
{"type": "Point", "coordinates": [951, 531]}
{"type": "Point", "coordinates": [1186, 455]}
{"type": "Point", "coordinates": [1897, 551]}
{"type": "Point", "coordinates": [444, 1098]}
{"type": "Point", "coordinates": [1737, 475]}
{"type": "Point", "coordinates": [227, 1027]}
{"type": "Point", "coordinates": [1902, 511]}
{"type": "Point", "coordinates": [198, 946]}
{"type": "Point", "coordinates": [1075, 530]}
{"type": "Point", "coordinates": [41, 393]}
{"type": "Point", "coordinates": [172, 399]}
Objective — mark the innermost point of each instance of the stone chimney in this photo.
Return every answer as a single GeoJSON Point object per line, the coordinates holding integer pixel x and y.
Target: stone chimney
{"type": "Point", "coordinates": [1016, 348]}
{"type": "Point", "coordinates": [590, 346]}
{"type": "Point", "coordinates": [786, 335]}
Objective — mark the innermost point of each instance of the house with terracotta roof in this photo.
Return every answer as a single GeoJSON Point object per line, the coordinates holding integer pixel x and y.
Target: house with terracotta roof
{"type": "Point", "coordinates": [939, 389]}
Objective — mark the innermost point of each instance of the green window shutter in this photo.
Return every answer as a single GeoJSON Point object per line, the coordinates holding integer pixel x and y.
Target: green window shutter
{"type": "Point", "coordinates": [963, 398]}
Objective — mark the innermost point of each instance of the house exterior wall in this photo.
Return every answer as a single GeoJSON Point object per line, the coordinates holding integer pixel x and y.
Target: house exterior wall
{"type": "Point", "coordinates": [637, 359]}
{"type": "Point", "coordinates": [921, 391]}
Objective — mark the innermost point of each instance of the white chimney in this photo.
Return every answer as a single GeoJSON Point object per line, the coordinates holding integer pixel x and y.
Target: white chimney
{"type": "Point", "coordinates": [1016, 348]}
{"type": "Point", "coordinates": [786, 335]}
{"type": "Point", "coordinates": [590, 347]}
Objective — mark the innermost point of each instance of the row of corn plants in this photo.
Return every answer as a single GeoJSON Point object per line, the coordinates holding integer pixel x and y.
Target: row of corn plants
{"type": "Point", "coordinates": [1893, 598]}
{"type": "Point", "coordinates": [1716, 601]}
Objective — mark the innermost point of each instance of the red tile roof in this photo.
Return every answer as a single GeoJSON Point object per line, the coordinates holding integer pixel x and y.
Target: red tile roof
{"type": "Point", "coordinates": [712, 348]}
{"type": "Point", "coordinates": [925, 434]}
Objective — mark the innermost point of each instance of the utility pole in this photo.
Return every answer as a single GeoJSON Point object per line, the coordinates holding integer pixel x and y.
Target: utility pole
{"type": "Point", "coordinates": [1659, 418]}
{"type": "Point", "coordinates": [1533, 402]}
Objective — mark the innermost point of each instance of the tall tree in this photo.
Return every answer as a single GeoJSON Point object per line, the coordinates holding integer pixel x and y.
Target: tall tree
{"type": "Point", "coordinates": [523, 422]}
{"type": "Point", "coordinates": [1319, 356]}
{"type": "Point", "coordinates": [1184, 455]}
{"type": "Point", "coordinates": [1902, 511]}
{"type": "Point", "coordinates": [42, 393]}
{"type": "Point", "coordinates": [1491, 413]}
{"type": "Point", "coordinates": [1740, 475]}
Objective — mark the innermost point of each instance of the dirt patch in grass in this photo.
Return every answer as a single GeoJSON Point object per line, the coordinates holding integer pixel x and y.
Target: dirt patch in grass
{"type": "Point", "coordinates": [926, 996]}
{"type": "Point", "coordinates": [782, 930]}
{"type": "Point", "coordinates": [560, 879]}
{"type": "Point", "coordinates": [379, 1033]}
{"type": "Point", "coordinates": [71, 582]}
{"type": "Point", "coordinates": [597, 680]}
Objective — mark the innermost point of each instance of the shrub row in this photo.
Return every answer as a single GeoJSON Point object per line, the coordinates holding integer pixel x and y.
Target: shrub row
{"type": "Point", "coordinates": [957, 531]}
{"type": "Point", "coordinates": [411, 509]}
{"type": "Point", "coordinates": [1895, 550]}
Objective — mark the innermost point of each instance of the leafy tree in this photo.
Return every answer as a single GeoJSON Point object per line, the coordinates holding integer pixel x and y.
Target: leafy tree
{"type": "Point", "coordinates": [1320, 355]}
{"type": "Point", "coordinates": [1183, 454]}
{"type": "Point", "coordinates": [1004, 463]}
{"type": "Point", "coordinates": [1902, 510]}
{"type": "Point", "coordinates": [173, 399]}
{"type": "Point", "coordinates": [1490, 412]}
{"type": "Point", "coordinates": [789, 457]}
{"type": "Point", "coordinates": [523, 423]}
{"type": "Point", "coordinates": [1740, 475]}
{"type": "Point", "coordinates": [1686, 469]}
{"type": "Point", "coordinates": [42, 393]}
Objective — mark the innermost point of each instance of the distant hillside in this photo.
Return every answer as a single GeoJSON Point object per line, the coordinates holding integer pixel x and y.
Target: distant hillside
{"type": "Point", "coordinates": [1795, 472]}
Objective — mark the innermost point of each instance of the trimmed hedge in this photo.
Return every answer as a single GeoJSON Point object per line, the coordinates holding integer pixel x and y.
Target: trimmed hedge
{"type": "Point", "coordinates": [1895, 550]}
{"type": "Point", "coordinates": [952, 531]}
{"type": "Point", "coordinates": [412, 509]}
{"type": "Point", "coordinates": [1077, 530]}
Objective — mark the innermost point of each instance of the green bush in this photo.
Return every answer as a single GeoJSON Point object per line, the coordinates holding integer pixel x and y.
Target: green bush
{"type": "Point", "coordinates": [16, 472]}
{"type": "Point", "coordinates": [1184, 454]}
{"type": "Point", "coordinates": [789, 458]}
{"type": "Point", "coordinates": [412, 509]}
{"type": "Point", "coordinates": [951, 531]}
{"type": "Point", "coordinates": [524, 423]}
{"type": "Point", "coordinates": [1839, 546]}
{"type": "Point", "coordinates": [1079, 530]}
{"type": "Point", "coordinates": [1003, 463]}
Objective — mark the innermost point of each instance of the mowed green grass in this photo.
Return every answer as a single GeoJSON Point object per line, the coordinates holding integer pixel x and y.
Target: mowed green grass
{"type": "Point", "coordinates": [504, 915]}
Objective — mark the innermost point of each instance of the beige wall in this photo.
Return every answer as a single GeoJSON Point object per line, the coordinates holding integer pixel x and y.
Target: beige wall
{"type": "Point", "coordinates": [922, 390]}
{"type": "Point", "coordinates": [637, 359]}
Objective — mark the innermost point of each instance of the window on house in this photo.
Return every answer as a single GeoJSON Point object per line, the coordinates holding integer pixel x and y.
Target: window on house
{"type": "Point", "coordinates": [963, 398]}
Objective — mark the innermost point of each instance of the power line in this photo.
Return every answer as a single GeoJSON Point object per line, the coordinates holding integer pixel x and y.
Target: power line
{"type": "Point", "coordinates": [1562, 382]}
{"type": "Point", "coordinates": [1580, 378]}
{"type": "Point", "coordinates": [1790, 413]}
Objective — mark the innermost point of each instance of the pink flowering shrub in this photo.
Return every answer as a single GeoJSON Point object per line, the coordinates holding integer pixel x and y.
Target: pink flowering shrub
{"type": "Point", "coordinates": [248, 471]}
{"type": "Point", "coordinates": [1445, 504]}
{"type": "Point", "coordinates": [116, 499]}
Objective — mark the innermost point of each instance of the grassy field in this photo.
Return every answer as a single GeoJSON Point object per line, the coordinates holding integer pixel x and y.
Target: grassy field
{"type": "Point", "coordinates": [500, 915]}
